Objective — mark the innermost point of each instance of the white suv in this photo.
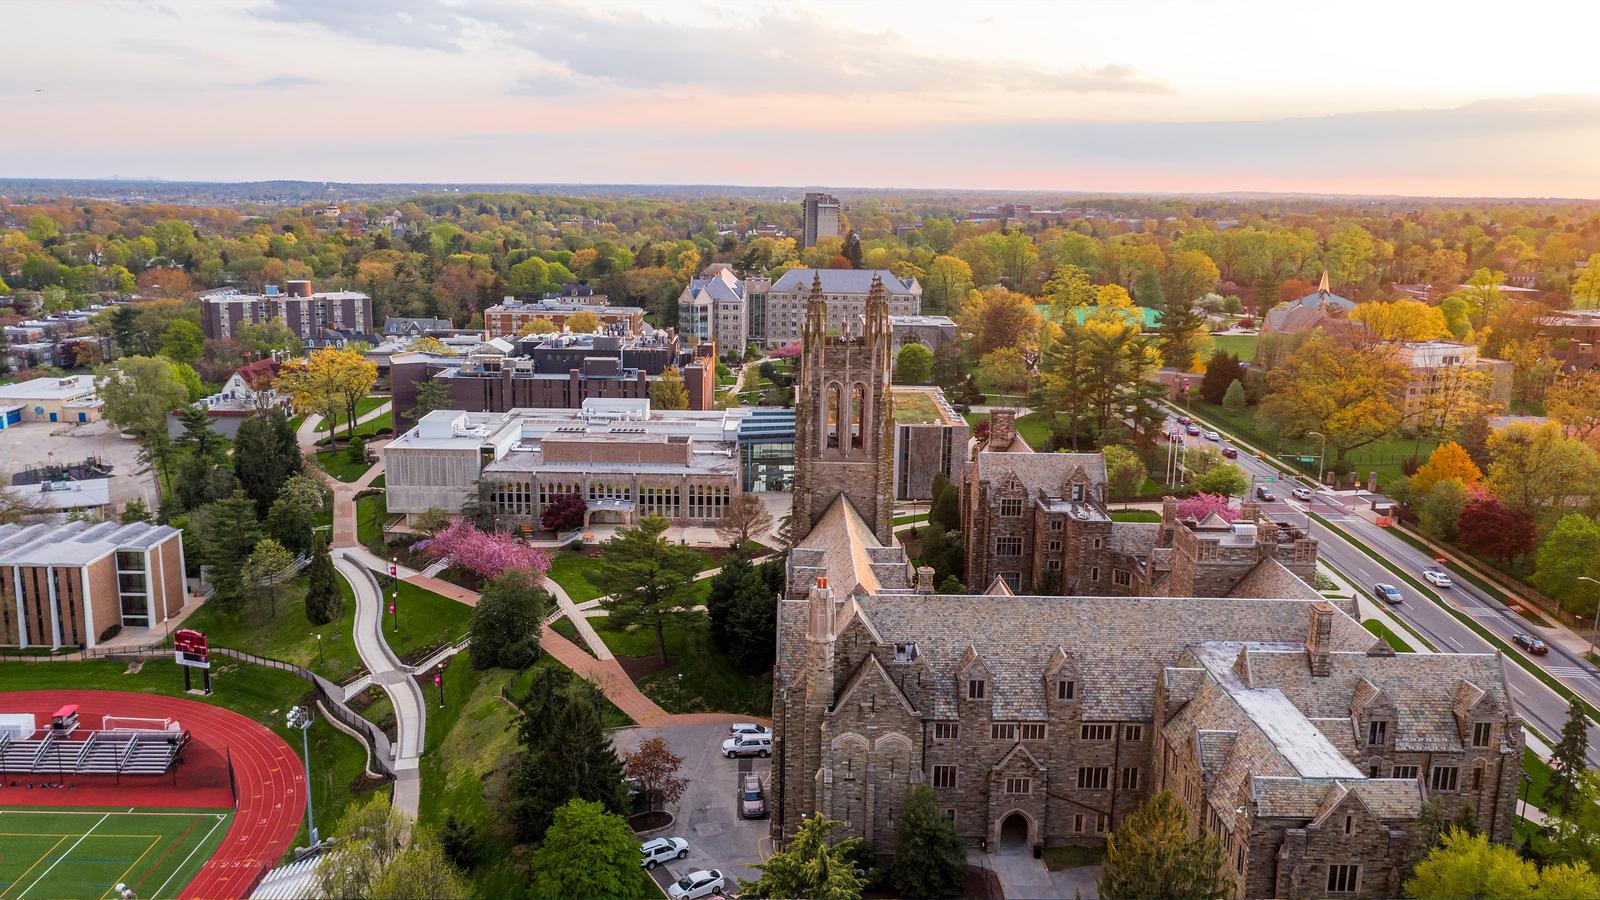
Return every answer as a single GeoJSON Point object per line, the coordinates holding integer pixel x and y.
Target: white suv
{"type": "Point", "coordinates": [747, 745]}
{"type": "Point", "coordinates": [660, 850]}
{"type": "Point", "coordinates": [700, 883]}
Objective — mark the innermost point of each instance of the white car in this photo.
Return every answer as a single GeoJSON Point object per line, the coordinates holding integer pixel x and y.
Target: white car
{"type": "Point", "coordinates": [1301, 494]}
{"type": "Point", "coordinates": [700, 883]}
{"type": "Point", "coordinates": [660, 850]}
{"type": "Point", "coordinates": [1213, 436]}
{"type": "Point", "coordinates": [747, 745]}
{"type": "Point", "coordinates": [1437, 578]}
{"type": "Point", "coordinates": [739, 728]}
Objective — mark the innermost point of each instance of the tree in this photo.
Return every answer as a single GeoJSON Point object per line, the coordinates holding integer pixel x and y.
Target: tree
{"type": "Point", "coordinates": [948, 280]}
{"type": "Point", "coordinates": [1569, 759]}
{"type": "Point", "coordinates": [563, 513]}
{"type": "Point", "coordinates": [1148, 291]}
{"type": "Point", "coordinates": [292, 518]}
{"type": "Point", "coordinates": [994, 318]}
{"type": "Point", "coordinates": [1179, 333]}
{"type": "Point", "coordinates": [369, 835]}
{"type": "Point", "coordinates": [233, 531]}
{"type": "Point", "coordinates": [433, 394]}
{"type": "Point", "coordinates": [134, 511]}
{"type": "Point", "coordinates": [538, 325]}
{"type": "Point", "coordinates": [1402, 320]}
{"type": "Point", "coordinates": [324, 600]}
{"type": "Point", "coordinates": [745, 519]}
{"type": "Point", "coordinates": [1125, 471]}
{"type": "Point", "coordinates": [1465, 866]}
{"type": "Point", "coordinates": [489, 554]}
{"type": "Point", "coordinates": [459, 840]}
{"type": "Point", "coordinates": [193, 388]}
{"type": "Point", "coordinates": [588, 852]}
{"type": "Point", "coordinates": [1572, 834]}
{"type": "Point", "coordinates": [1343, 389]}
{"type": "Point", "coordinates": [137, 392]}
{"type": "Point", "coordinates": [1448, 460]}
{"type": "Point", "coordinates": [328, 381]}
{"type": "Point", "coordinates": [1569, 552]}
{"type": "Point", "coordinates": [810, 867]}
{"type": "Point", "coordinates": [1440, 507]}
{"type": "Point", "coordinates": [267, 339]}
{"type": "Point", "coordinates": [929, 860]}
{"type": "Point", "coordinates": [945, 510]}
{"type": "Point", "coordinates": [749, 617]}
{"type": "Point", "coordinates": [646, 577]}
{"type": "Point", "coordinates": [1475, 439]}
{"type": "Point", "coordinates": [1574, 401]}
{"type": "Point", "coordinates": [657, 770]}
{"type": "Point", "coordinates": [566, 753]}
{"type": "Point", "coordinates": [266, 454]}
{"type": "Point", "coordinates": [1491, 528]}
{"type": "Point", "coordinates": [913, 364]}
{"type": "Point", "coordinates": [583, 322]}
{"type": "Point", "coordinates": [1235, 398]}
{"type": "Point", "coordinates": [1226, 480]}
{"type": "Point", "coordinates": [1222, 370]}
{"type": "Point", "coordinates": [1199, 506]}
{"type": "Point", "coordinates": [422, 871]}
{"type": "Point", "coordinates": [505, 623]}
{"type": "Point", "coordinates": [669, 392]}
{"type": "Point", "coordinates": [1190, 275]}
{"type": "Point", "coordinates": [1537, 470]}
{"type": "Point", "coordinates": [265, 571]}
{"type": "Point", "coordinates": [1150, 855]}
{"type": "Point", "coordinates": [183, 342]}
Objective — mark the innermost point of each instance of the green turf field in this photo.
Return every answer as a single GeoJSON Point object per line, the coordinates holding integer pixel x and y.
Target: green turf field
{"type": "Point", "coordinates": [48, 853]}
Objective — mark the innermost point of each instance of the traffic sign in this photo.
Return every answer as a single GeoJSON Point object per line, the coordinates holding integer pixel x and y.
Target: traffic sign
{"type": "Point", "coordinates": [1269, 478]}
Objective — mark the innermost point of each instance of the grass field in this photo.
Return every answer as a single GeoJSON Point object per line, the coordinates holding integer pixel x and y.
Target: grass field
{"type": "Point", "coordinates": [87, 852]}
{"type": "Point", "coordinates": [1240, 345]}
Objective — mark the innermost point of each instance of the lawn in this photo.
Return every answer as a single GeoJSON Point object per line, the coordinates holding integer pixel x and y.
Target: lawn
{"type": "Point", "coordinates": [1058, 858]}
{"type": "Point", "coordinates": [905, 520]}
{"type": "Point", "coordinates": [338, 762]}
{"type": "Point", "coordinates": [286, 636]}
{"type": "Point", "coordinates": [1240, 345]}
{"type": "Point", "coordinates": [371, 513]}
{"type": "Point", "coordinates": [363, 406]}
{"type": "Point", "coordinates": [427, 620]}
{"type": "Point", "coordinates": [1539, 773]}
{"type": "Point", "coordinates": [1395, 641]}
{"type": "Point", "coordinates": [155, 853]}
{"type": "Point", "coordinates": [1035, 429]}
{"type": "Point", "coordinates": [1384, 457]}
{"type": "Point", "coordinates": [571, 570]}
{"type": "Point", "coordinates": [708, 683]}
{"type": "Point", "coordinates": [1135, 515]}
{"type": "Point", "coordinates": [914, 408]}
{"type": "Point", "coordinates": [339, 464]}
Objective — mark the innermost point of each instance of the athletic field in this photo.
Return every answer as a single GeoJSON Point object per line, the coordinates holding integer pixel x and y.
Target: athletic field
{"type": "Point", "coordinates": [54, 853]}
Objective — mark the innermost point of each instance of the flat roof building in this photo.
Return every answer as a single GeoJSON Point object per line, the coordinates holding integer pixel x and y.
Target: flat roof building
{"type": "Point", "coordinates": [309, 315]}
{"type": "Point", "coordinates": [69, 399]}
{"type": "Point", "coordinates": [509, 318]}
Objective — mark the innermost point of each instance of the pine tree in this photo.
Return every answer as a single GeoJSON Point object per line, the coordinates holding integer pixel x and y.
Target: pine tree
{"type": "Point", "coordinates": [945, 510]}
{"type": "Point", "coordinates": [1179, 332]}
{"type": "Point", "coordinates": [1147, 289]}
{"type": "Point", "coordinates": [265, 455]}
{"type": "Point", "coordinates": [460, 842]}
{"type": "Point", "coordinates": [1151, 855]}
{"type": "Point", "coordinates": [432, 394]}
{"type": "Point", "coordinates": [929, 861]}
{"type": "Point", "coordinates": [721, 600]}
{"type": "Point", "coordinates": [852, 249]}
{"type": "Point", "coordinates": [1569, 759]}
{"type": "Point", "coordinates": [1222, 371]}
{"type": "Point", "coordinates": [566, 753]}
{"type": "Point", "coordinates": [752, 624]}
{"type": "Point", "coordinates": [810, 866]}
{"type": "Point", "coordinates": [1235, 398]}
{"type": "Point", "coordinates": [324, 600]}
{"type": "Point", "coordinates": [232, 532]}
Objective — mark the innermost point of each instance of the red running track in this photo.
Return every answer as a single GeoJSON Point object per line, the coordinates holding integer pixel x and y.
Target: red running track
{"type": "Point", "coordinates": [268, 774]}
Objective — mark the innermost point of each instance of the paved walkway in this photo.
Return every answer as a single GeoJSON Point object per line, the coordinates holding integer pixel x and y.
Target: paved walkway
{"type": "Point", "coordinates": [1024, 878]}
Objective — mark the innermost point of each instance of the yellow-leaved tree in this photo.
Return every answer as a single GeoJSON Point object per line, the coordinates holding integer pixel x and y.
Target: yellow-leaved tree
{"type": "Point", "coordinates": [1448, 460]}
{"type": "Point", "coordinates": [1345, 388]}
{"type": "Point", "coordinates": [328, 381]}
{"type": "Point", "coordinates": [1402, 320]}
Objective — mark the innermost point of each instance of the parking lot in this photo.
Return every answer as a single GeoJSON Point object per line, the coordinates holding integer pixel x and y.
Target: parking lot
{"type": "Point", "coordinates": [708, 816]}
{"type": "Point", "coordinates": [43, 443]}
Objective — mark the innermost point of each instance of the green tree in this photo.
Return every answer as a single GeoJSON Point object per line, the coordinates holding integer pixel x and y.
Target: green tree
{"type": "Point", "coordinates": [1125, 471]}
{"type": "Point", "coordinates": [1537, 469]}
{"type": "Point", "coordinates": [1151, 856]}
{"type": "Point", "coordinates": [433, 394]}
{"type": "Point", "coordinates": [1147, 289]}
{"type": "Point", "coordinates": [669, 392]}
{"type": "Point", "coordinates": [1222, 370]}
{"type": "Point", "coordinates": [913, 364]}
{"type": "Point", "coordinates": [460, 842]}
{"type": "Point", "coordinates": [232, 532]}
{"type": "Point", "coordinates": [505, 623]}
{"type": "Point", "coordinates": [929, 860]}
{"type": "Point", "coordinates": [566, 753]}
{"type": "Point", "coordinates": [265, 571]}
{"type": "Point", "coordinates": [1466, 866]}
{"type": "Point", "coordinates": [324, 600]}
{"type": "Point", "coordinates": [265, 339]}
{"type": "Point", "coordinates": [647, 577]}
{"type": "Point", "coordinates": [183, 342]}
{"type": "Point", "coordinates": [197, 435]}
{"type": "Point", "coordinates": [1570, 552]}
{"type": "Point", "coordinates": [292, 518]}
{"type": "Point", "coordinates": [137, 392]}
{"type": "Point", "coordinates": [1569, 759]}
{"type": "Point", "coordinates": [369, 835]}
{"type": "Point", "coordinates": [1343, 388]}
{"type": "Point", "coordinates": [193, 387]}
{"type": "Point", "coordinates": [810, 867]}
{"type": "Point", "coordinates": [265, 455]}
{"type": "Point", "coordinates": [588, 852]}
{"type": "Point", "coordinates": [1440, 508]}
{"type": "Point", "coordinates": [949, 279]}
{"type": "Point", "coordinates": [1573, 835]}
{"type": "Point", "coordinates": [720, 600]}
{"type": "Point", "coordinates": [751, 623]}
{"type": "Point", "coordinates": [945, 509]}
{"type": "Point", "coordinates": [1227, 480]}
{"type": "Point", "coordinates": [1235, 398]}
{"type": "Point", "coordinates": [422, 871]}
{"type": "Point", "coordinates": [1179, 333]}
{"type": "Point", "coordinates": [134, 511]}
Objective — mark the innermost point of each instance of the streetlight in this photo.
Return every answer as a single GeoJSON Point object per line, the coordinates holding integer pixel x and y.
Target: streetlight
{"type": "Point", "coordinates": [1322, 455]}
{"type": "Point", "coordinates": [1596, 614]}
{"type": "Point", "coordinates": [300, 717]}
{"type": "Point", "coordinates": [394, 610]}
{"type": "Point", "coordinates": [320, 659]}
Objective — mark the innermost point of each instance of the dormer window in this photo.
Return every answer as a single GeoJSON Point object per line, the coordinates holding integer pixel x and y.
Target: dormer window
{"type": "Point", "coordinates": [976, 688]}
{"type": "Point", "coordinates": [1378, 732]}
{"type": "Point", "coordinates": [905, 652]}
{"type": "Point", "coordinates": [1077, 493]}
{"type": "Point", "coordinates": [1480, 734]}
{"type": "Point", "coordinates": [1066, 690]}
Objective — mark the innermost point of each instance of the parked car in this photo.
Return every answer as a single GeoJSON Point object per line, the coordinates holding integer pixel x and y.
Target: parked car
{"type": "Point", "coordinates": [1301, 494]}
{"type": "Point", "coordinates": [739, 728]}
{"type": "Point", "coordinates": [1212, 436]}
{"type": "Point", "coordinates": [660, 850]}
{"type": "Point", "coordinates": [752, 802]}
{"type": "Point", "coordinates": [1531, 644]}
{"type": "Point", "coordinates": [1230, 453]}
{"type": "Point", "coordinates": [747, 745]}
{"type": "Point", "coordinates": [1183, 420]}
{"type": "Point", "coordinates": [1192, 430]}
{"type": "Point", "coordinates": [1265, 493]}
{"type": "Point", "coordinates": [699, 883]}
{"type": "Point", "coordinates": [1388, 593]}
{"type": "Point", "coordinates": [1438, 578]}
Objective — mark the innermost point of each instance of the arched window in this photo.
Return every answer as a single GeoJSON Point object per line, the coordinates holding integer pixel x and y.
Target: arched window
{"type": "Point", "coordinates": [858, 412]}
{"type": "Point", "coordinates": [832, 417]}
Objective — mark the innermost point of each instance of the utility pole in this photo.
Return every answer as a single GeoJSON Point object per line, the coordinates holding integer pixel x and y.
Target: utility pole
{"type": "Point", "coordinates": [1322, 455]}
{"type": "Point", "coordinates": [300, 717]}
{"type": "Point", "coordinates": [1596, 615]}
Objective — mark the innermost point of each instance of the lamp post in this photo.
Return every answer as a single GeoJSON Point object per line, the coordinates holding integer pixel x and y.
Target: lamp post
{"type": "Point", "coordinates": [320, 658]}
{"type": "Point", "coordinates": [1596, 614]}
{"type": "Point", "coordinates": [394, 610]}
{"type": "Point", "coordinates": [1322, 455]}
{"type": "Point", "coordinates": [300, 717]}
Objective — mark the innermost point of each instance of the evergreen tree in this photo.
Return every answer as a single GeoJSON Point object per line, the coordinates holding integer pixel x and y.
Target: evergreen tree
{"type": "Point", "coordinates": [1179, 334]}
{"type": "Point", "coordinates": [1569, 759]}
{"type": "Point", "coordinates": [265, 455]}
{"type": "Point", "coordinates": [929, 861]}
{"type": "Point", "coordinates": [134, 511]}
{"type": "Point", "coordinates": [647, 577]}
{"type": "Point", "coordinates": [720, 601]}
{"type": "Point", "coordinates": [231, 533]}
{"type": "Point", "coordinates": [460, 842]}
{"type": "Point", "coordinates": [433, 394]}
{"type": "Point", "coordinates": [810, 867]}
{"type": "Point", "coordinates": [1151, 855]}
{"type": "Point", "coordinates": [752, 624]}
{"type": "Point", "coordinates": [291, 525]}
{"type": "Point", "coordinates": [324, 600]}
{"type": "Point", "coordinates": [505, 623]}
{"type": "Point", "coordinates": [566, 753]}
{"type": "Point", "coordinates": [1147, 289]}
{"type": "Point", "coordinates": [1235, 398]}
{"type": "Point", "coordinates": [945, 510]}
{"type": "Point", "coordinates": [197, 434]}
{"type": "Point", "coordinates": [1222, 371]}
{"type": "Point", "coordinates": [852, 249]}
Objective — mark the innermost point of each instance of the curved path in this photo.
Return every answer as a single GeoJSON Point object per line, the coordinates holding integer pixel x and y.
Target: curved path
{"type": "Point", "coordinates": [270, 779]}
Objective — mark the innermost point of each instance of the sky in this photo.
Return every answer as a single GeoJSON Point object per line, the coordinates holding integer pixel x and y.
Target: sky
{"type": "Point", "coordinates": [1418, 98]}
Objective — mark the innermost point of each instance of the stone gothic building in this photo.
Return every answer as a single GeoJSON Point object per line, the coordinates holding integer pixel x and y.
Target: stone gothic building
{"type": "Point", "coordinates": [1292, 734]}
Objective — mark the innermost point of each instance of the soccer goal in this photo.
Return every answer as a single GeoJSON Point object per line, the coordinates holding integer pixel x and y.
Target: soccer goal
{"type": "Point", "coordinates": [135, 723]}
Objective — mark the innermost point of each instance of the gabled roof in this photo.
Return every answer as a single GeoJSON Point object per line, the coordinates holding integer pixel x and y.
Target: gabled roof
{"type": "Point", "coordinates": [845, 281]}
{"type": "Point", "coordinates": [1040, 472]}
{"type": "Point", "coordinates": [870, 670]}
{"type": "Point", "coordinates": [843, 542]}
{"type": "Point", "coordinates": [1018, 751]}
{"type": "Point", "coordinates": [999, 588]}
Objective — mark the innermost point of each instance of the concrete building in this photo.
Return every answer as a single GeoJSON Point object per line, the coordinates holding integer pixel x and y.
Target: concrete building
{"type": "Point", "coordinates": [557, 371]}
{"type": "Point", "coordinates": [1437, 367]}
{"type": "Point", "coordinates": [624, 459]}
{"type": "Point", "coordinates": [310, 315]}
{"type": "Point", "coordinates": [509, 318]}
{"type": "Point", "coordinates": [843, 290]}
{"type": "Point", "coordinates": [69, 399]}
{"type": "Point", "coordinates": [821, 213]}
{"type": "Point", "coordinates": [76, 584]}
{"type": "Point", "coordinates": [715, 306]}
{"type": "Point", "coordinates": [933, 332]}
{"type": "Point", "coordinates": [930, 439]}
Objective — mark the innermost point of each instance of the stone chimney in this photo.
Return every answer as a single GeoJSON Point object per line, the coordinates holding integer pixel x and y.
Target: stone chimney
{"type": "Point", "coordinates": [1002, 428]}
{"type": "Point", "coordinates": [925, 579]}
{"type": "Point", "coordinates": [820, 626]}
{"type": "Point", "coordinates": [1319, 639]}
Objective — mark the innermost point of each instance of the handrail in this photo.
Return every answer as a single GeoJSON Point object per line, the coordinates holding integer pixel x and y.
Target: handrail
{"type": "Point", "coordinates": [38, 755]}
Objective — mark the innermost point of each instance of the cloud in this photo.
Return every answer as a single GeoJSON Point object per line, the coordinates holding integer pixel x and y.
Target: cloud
{"type": "Point", "coordinates": [287, 81]}
{"type": "Point", "coordinates": [776, 53]}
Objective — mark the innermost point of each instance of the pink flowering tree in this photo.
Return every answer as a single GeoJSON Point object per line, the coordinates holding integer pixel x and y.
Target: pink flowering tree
{"type": "Point", "coordinates": [488, 554]}
{"type": "Point", "coordinates": [786, 351]}
{"type": "Point", "coordinates": [1201, 505]}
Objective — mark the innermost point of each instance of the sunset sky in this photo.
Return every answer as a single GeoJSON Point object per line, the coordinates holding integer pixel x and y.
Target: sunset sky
{"type": "Point", "coordinates": [1411, 98]}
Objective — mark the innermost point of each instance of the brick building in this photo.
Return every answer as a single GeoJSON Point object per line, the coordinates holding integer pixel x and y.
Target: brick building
{"type": "Point", "coordinates": [509, 318]}
{"type": "Point", "coordinates": [310, 315]}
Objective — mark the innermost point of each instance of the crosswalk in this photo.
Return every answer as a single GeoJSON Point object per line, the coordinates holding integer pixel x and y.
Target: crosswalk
{"type": "Point", "coordinates": [1568, 671]}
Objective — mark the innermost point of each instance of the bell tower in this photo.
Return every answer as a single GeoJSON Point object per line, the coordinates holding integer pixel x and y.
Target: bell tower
{"type": "Point", "coordinates": [844, 414]}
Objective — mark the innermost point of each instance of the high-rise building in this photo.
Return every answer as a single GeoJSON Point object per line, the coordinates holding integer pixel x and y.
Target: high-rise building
{"type": "Point", "coordinates": [318, 318]}
{"type": "Point", "coordinates": [822, 218]}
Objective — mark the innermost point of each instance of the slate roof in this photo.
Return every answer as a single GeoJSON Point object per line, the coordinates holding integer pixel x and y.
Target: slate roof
{"type": "Point", "coordinates": [842, 545]}
{"type": "Point", "coordinates": [1269, 578]}
{"type": "Point", "coordinates": [1298, 798]}
{"type": "Point", "coordinates": [845, 281]}
{"type": "Point", "coordinates": [723, 286]}
{"type": "Point", "coordinates": [1040, 471]}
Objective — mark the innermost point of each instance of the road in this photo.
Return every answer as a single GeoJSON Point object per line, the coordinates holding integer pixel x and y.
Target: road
{"type": "Point", "coordinates": [1541, 707]}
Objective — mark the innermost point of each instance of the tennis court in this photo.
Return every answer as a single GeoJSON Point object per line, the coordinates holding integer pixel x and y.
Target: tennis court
{"type": "Point", "coordinates": [51, 853]}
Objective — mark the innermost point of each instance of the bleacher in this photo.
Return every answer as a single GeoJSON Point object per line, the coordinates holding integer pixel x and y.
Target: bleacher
{"type": "Point", "coordinates": [114, 751]}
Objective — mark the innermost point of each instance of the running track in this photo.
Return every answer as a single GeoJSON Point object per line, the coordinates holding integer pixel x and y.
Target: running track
{"type": "Point", "coordinates": [268, 773]}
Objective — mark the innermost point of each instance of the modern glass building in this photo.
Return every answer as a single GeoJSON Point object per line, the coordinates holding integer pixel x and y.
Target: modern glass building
{"type": "Point", "coordinates": [766, 449]}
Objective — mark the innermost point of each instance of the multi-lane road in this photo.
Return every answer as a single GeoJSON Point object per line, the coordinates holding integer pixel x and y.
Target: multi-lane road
{"type": "Point", "coordinates": [1541, 707]}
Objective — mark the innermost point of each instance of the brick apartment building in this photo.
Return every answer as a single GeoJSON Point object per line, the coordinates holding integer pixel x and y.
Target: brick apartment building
{"type": "Point", "coordinates": [307, 313]}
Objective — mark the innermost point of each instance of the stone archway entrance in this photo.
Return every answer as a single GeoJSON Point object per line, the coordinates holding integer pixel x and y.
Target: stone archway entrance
{"type": "Point", "coordinates": [1014, 833]}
